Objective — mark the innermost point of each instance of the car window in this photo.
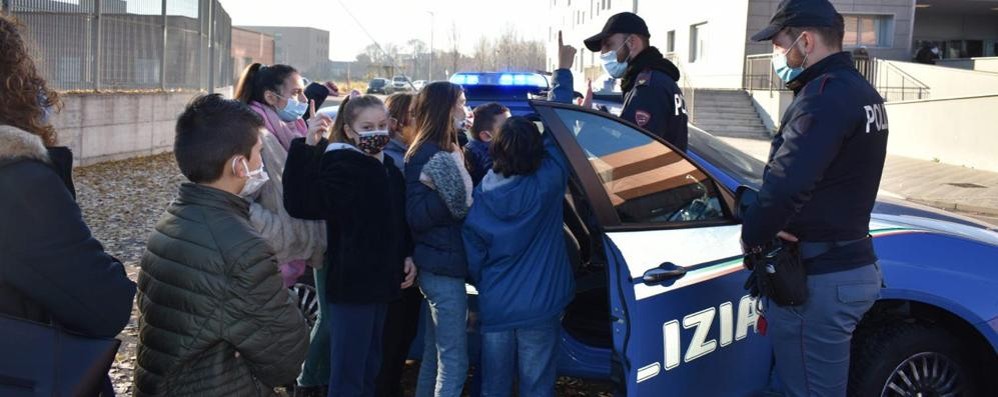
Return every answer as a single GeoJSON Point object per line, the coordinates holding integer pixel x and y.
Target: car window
{"type": "Point", "coordinates": [646, 181]}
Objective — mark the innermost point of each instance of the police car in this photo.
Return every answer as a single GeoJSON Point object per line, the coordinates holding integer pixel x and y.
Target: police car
{"type": "Point", "coordinates": [660, 307]}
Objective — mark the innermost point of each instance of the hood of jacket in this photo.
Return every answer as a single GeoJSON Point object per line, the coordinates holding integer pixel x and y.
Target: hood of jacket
{"type": "Point", "coordinates": [16, 144]}
{"type": "Point", "coordinates": [649, 59]}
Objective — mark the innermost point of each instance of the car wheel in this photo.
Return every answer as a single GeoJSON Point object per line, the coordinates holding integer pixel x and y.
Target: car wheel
{"type": "Point", "coordinates": [911, 359]}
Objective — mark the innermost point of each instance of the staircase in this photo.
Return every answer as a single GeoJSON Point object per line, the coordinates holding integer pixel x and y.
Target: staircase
{"type": "Point", "coordinates": [727, 113]}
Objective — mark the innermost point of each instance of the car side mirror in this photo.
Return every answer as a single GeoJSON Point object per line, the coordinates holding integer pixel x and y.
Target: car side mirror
{"type": "Point", "coordinates": [745, 197]}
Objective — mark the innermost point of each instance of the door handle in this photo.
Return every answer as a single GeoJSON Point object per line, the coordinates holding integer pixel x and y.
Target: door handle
{"type": "Point", "coordinates": [664, 272]}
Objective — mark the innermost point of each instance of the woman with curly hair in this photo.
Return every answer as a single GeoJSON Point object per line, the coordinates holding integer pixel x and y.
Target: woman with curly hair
{"type": "Point", "coordinates": [53, 270]}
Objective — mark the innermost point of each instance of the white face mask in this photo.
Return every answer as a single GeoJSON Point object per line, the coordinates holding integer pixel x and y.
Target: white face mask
{"type": "Point", "coordinates": [614, 68]}
{"type": "Point", "coordinates": [255, 179]}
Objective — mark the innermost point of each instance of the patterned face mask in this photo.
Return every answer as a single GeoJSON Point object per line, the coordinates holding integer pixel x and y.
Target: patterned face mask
{"type": "Point", "coordinates": [373, 142]}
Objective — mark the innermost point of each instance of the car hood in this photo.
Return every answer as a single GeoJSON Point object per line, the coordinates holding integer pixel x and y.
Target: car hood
{"type": "Point", "coordinates": [895, 213]}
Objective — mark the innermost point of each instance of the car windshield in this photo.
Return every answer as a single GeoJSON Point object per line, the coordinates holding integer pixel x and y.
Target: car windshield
{"type": "Point", "coordinates": [400, 79]}
{"type": "Point", "coordinates": [745, 169]}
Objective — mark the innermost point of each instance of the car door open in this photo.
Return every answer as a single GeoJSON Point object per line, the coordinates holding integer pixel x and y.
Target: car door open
{"type": "Point", "coordinates": [682, 323]}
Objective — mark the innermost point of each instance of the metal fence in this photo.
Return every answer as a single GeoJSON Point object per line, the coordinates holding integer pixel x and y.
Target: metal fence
{"type": "Point", "coordinates": [892, 82]}
{"type": "Point", "coordinates": [113, 45]}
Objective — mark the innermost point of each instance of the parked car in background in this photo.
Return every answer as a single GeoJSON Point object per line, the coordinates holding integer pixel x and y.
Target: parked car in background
{"type": "Point", "coordinates": [419, 84]}
{"type": "Point", "coordinates": [378, 86]}
{"type": "Point", "coordinates": [399, 84]}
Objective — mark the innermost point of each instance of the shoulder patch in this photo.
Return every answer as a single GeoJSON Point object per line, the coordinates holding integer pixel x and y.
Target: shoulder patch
{"type": "Point", "coordinates": [642, 118]}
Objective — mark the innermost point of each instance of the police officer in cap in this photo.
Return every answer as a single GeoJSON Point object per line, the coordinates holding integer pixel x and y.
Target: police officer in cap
{"type": "Point", "coordinates": [818, 189]}
{"type": "Point", "coordinates": [652, 98]}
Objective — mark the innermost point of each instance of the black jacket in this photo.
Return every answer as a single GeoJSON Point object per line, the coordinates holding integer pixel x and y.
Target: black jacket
{"type": "Point", "coordinates": [362, 201]}
{"type": "Point", "coordinates": [51, 267]}
{"type": "Point", "coordinates": [653, 100]}
{"type": "Point", "coordinates": [824, 165]}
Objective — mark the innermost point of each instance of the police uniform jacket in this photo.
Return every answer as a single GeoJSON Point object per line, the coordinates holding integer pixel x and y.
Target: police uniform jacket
{"type": "Point", "coordinates": [652, 98]}
{"type": "Point", "coordinates": [824, 166]}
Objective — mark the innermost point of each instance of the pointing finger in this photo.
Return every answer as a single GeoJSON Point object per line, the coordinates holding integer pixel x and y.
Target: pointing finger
{"type": "Point", "coordinates": [311, 108]}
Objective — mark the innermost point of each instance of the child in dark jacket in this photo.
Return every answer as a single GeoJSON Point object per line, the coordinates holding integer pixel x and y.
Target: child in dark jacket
{"type": "Point", "coordinates": [488, 120]}
{"type": "Point", "coordinates": [360, 193]}
{"type": "Point", "coordinates": [518, 260]}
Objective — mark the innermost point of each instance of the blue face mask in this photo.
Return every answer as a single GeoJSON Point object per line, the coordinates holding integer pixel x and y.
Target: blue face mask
{"type": "Point", "coordinates": [782, 69]}
{"type": "Point", "coordinates": [613, 68]}
{"type": "Point", "coordinates": [294, 110]}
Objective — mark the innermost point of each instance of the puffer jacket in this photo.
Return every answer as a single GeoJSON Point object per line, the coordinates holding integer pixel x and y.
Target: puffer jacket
{"type": "Point", "coordinates": [215, 319]}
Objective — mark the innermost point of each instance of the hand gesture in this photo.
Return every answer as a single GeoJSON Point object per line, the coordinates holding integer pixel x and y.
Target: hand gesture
{"type": "Point", "coordinates": [566, 54]}
{"type": "Point", "coordinates": [410, 273]}
{"type": "Point", "coordinates": [318, 126]}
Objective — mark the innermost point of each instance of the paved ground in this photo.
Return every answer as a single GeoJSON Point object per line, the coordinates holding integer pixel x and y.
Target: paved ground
{"type": "Point", "coordinates": [959, 189]}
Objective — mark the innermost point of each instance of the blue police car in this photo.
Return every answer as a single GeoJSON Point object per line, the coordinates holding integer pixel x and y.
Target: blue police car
{"type": "Point", "coordinates": [660, 307]}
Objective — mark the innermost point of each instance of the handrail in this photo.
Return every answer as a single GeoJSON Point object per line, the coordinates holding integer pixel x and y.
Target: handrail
{"type": "Point", "coordinates": [904, 74]}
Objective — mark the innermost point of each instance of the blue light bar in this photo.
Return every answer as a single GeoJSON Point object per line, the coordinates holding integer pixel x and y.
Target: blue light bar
{"type": "Point", "coordinates": [500, 79]}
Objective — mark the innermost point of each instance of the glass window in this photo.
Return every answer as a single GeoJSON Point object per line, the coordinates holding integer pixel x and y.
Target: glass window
{"type": "Point", "coordinates": [646, 181]}
{"type": "Point", "coordinates": [867, 30]}
{"type": "Point", "coordinates": [697, 38]}
{"type": "Point", "coordinates": [670, 41]}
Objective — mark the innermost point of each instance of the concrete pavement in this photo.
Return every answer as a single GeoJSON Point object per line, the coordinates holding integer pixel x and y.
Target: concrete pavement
{"type": "Point", "coordinates": [943, 186]}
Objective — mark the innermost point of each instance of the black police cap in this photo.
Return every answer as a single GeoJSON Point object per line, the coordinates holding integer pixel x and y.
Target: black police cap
{"type": "Point", "coordinates": [800, 13]}
{"type": "Point", "coordinates": [625, 22]}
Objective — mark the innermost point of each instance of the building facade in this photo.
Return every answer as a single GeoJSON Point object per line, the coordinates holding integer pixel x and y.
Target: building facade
{"type": "Point", "coordinates": [710, 39]}
{"type": "Point", "coordinates": [306, 49]}
{"type": "Point", "coordinates": [249, 47]}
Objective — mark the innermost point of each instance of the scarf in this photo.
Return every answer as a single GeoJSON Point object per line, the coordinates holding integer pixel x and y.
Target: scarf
{"type": "Point", "coordinates": [283, 131]}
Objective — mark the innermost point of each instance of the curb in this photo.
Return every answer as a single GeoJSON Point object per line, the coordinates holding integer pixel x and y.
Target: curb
{"type": "Point", "coordinates": [956, 206]}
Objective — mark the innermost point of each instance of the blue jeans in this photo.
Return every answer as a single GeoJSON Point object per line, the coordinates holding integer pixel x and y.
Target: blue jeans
{"type": "Point", "coordinates": [315, 372]}
{"type": "Point", "coordinates": [355, 336]}
{"type": "Point", "coordinates": [811, 342]}
{"type": "Point", "coordinates": [445, 355]}
{"type": "Point", "coordinates": [526, 353]}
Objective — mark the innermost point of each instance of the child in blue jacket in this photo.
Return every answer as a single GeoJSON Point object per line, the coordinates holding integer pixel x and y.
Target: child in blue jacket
{"type": "Point", "coordinates": [518, 260]}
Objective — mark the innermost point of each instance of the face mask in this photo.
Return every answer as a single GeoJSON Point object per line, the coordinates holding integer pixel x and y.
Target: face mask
{"type": "Point", "coordinates": [461, 121]}
{"type": "Point", "coordinates": [373, 142]}
{"type": "Point", "coordinates": [784, 71]}
{"type": "Point", "coordinates": [614, 68]}
{"type": "Point", "coordinates": [255, 180]}
{"type": "Point", "coordinates": [294, 110]}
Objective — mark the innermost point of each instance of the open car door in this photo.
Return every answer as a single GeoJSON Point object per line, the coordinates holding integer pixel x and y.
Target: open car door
{"type": "Point", "coordinates": [682, 322]}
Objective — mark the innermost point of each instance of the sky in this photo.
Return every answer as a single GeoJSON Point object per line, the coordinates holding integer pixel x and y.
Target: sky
{"type": "Point", "coordinates": [396, 21]}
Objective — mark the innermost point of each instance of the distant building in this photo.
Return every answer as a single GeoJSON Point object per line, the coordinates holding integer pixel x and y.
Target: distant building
{"type": "Point", "coordinates": [306, 49]}
{"type": "Point", "coordinates": [710, 39]}
{"type": "Point", "coordinates": [250, 47]}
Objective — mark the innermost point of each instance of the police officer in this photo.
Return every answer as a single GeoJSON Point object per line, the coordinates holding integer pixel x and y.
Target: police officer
{"type": "Point", "coordinates": [652, 98]}
{"type": "Point", "coordinates": [819, 189]}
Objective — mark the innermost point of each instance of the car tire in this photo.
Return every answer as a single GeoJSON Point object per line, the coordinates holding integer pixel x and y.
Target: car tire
{"type": "Point", "coordinates": [911, 358]}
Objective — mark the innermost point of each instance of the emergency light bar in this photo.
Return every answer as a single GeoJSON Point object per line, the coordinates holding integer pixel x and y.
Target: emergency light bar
{"type": "Point", "coordinates": [500, 79]}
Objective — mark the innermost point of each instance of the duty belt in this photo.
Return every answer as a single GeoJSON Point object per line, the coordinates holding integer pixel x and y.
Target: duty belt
{"type": "Point", "coordinates": [810, 249]}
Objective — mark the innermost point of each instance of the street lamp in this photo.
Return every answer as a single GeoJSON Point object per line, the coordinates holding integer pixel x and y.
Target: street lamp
{"type": "Point", "coordinates": [429, 70]}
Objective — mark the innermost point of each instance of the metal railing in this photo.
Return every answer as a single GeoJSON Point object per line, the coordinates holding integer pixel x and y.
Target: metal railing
{"type": "Point", "coordinates": [117, 45]}
{"type": "Point", "coordinates": [893, 83]}
{"type": "Point", "coordinates": [686, 84]}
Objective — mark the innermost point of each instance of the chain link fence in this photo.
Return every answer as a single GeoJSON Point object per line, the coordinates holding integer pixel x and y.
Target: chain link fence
{"type": "Point", "coordinates": [123, 45]}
